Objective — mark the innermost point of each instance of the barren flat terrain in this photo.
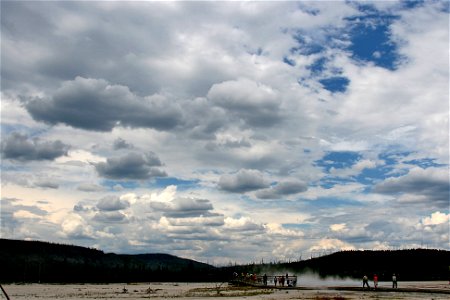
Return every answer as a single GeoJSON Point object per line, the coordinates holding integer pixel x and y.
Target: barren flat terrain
{"type": "Point", "coordinates": [407, 290]}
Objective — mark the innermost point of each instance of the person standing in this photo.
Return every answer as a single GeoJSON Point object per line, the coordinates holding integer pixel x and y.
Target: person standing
{"type": "Point", "coordinates": [366, 281]}
{"type": "Point", "coordinates": [394, 281]}
{"type": "Point", "coordinates": [375, 281]}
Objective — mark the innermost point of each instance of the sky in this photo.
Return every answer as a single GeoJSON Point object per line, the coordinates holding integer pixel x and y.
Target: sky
{"type": "Point", "coordinates": [226, 132]}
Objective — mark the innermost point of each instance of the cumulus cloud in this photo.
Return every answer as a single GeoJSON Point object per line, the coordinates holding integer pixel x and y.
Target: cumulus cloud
{"type": "Point", "coordinates": [243, 181]}
{"type": "Point", "coordinates": [281, 189]}
{"type": "Point", "coordinates": [355, 169]}
{"type": "Point", "coordinates": [276, 229]}
{"type": "Point", "coordinates": [46, 183]}
{"type": "Point", "coordinates": [217, 87]}
{"type": "Point", "coordinates": [436, 218]}
{"type": "Point", "coordinates": [332, 244]}
{"type": "Point", "coordinates": [138, 166]}
{"type": "Point", "coordinates": [112, 203]}
{"type": "Point", "coordinates": [338, 227]}
{"type": "Point", "coordinates": [74, 226]}
{"type": "Point", "coordinates": [431, 183]}
{"type": "Point", "coordinates": [255, 103]}
{"type": "Point", "coordinates": [110, 217]}
{"type": "Point", "coordinates": [90, 187]}
{"type": "Point", "coordinates": [120, 143]}
{"type": "Point", "coordinates": [20, 147]}
{"type": "Point", "coordinates": [95, 104]}
{"type": "Point", "coordinates": [242, 224]}
{"type": "Point", "coordinates": [184, 207]}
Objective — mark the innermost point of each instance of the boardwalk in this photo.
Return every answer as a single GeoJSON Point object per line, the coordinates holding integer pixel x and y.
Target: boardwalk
{"type": "Point", "coordinates": [271, 281]}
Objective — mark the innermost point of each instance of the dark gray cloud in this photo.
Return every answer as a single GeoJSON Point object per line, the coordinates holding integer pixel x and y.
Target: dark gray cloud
{"type": "Point", "coordinates": [282, 189]}
{"type": "Point", "coordinates": [90, 187]}
{"type": "Point", "coordinates": [18, 146]}
{"type": "Point", "coordinates": [8, 223]}
{"type": "Point", "coordinates": [243, 181]}
{"type": "Point", "coordinates": [46, 183]}
{"type": "Point", "coordinates": [112, 203]}
{"type": "Point", "coordinates": [94, 104]}
{"type": "Point", "coordinates": [120, 143]}
{"type": "Point", "coordinates": [110, 217]}
{"type": "Point", "coordinates": [432, 183]}
{"type": "Point", "coordinates": [184, 207]}
{"type": "Point", "coordinates": [255, 103]}
{"type": "Point", "coordinates": [206, 120]}
{"type": "Point", "coordinates": [81, 208]}
{"type": "Point", "coordinates": [131, 166]}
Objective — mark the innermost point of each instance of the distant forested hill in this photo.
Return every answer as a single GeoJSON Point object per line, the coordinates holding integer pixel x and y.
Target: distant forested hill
{"type": "Point", "coordinates": [414, 264]}
{"type": "Point", "coordinates": [33, 261]}
{"type": "Point", "coordinates": [408, 265]}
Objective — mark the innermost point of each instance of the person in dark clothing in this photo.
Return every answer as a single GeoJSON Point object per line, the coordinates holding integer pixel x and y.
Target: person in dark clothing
{"type": "Point", "coordinates": [366, 281]}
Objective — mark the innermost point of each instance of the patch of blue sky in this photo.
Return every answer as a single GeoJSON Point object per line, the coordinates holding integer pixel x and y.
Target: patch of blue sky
{"type": "Point", "coordinates": [330, 181]}
{"type": "Point", "coordinates": [370, 38]}
{"type": "Point", "coordinates": [368, 176]}
{"type": "Point", "coordinates": [424, 163]}
{"type": "Point", "coordinates": [393, 156]}
{"type": "Point", "coordinates": [412, 3]}
{"type": "Point", "coordinates": [297, 225]}
{"type": "Point", "coordinates": [181, 184]}
{"type": "Point", "coordinates": [373, 175]}
{"type": "Point", "coordinates": [336, 84]}
{"type": "Point", "coordinates": [318, 66]}
{"type": "Point", "coordinates": [445, 6]}
{"type": "Point", "coordinates": [7, 129]}
{"type": "Point", "coordinates": [289, 61]}
{"type": "Point", "coordinates": [338, 160]}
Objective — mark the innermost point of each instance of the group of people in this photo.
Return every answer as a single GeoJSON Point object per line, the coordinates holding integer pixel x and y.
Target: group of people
{"type": "Point", "coordinates": [285, 279]}
{"type": "Point", "coordinates": [375, 281]}
{"type": "Point", "coordinates": [281, 280]}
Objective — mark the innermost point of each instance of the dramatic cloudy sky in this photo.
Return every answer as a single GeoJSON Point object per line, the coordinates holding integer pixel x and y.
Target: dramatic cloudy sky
{"type": "Point", "coordinates": [226, 131]}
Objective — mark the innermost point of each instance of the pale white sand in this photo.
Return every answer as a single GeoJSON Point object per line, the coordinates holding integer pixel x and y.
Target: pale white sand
{"type": "Point", "coordinates": [209, 291]}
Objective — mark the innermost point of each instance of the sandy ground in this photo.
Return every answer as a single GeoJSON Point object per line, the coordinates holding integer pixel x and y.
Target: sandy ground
{"type": "Point", "coordinates": [209, 291]}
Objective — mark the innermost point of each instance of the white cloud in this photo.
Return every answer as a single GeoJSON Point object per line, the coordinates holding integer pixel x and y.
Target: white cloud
{"type": "Point", "coordinates": [74, 226]}
{"type": "Point", "coordinates": [338, 227]}
{"type": "Point", "coordinates": [355, 169]}
{"type": "Point", "coordinates": [277, 229]}
{"type": "Point", "coordinates": [436, 218]}
{"type": "Point", "coordinates": [432, 184]}
{"type": "Point", "coordinates": [228, 99]}
{"type": "Point", "coordinates": [332, 244]}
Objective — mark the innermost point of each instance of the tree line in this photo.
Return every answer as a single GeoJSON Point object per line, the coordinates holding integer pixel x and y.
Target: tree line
{"type": "Point", "coordinates": [33, 261]}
